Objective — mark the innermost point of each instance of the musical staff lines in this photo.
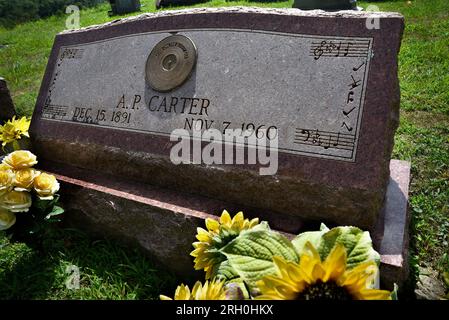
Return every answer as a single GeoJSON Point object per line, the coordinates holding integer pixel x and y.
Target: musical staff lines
{"type": "Point", "coordinates": [54, 112]}
{"type": "Point", "coordinates": [325, 139]}
{"type": "Point", "coordinates": [339, 48]}
{"type": "Point", "coordinates": [72, 53]}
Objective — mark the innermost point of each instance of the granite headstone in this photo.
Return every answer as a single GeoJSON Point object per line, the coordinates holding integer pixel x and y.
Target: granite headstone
{"type": "Point", "coordinates": [7, 110]}
{"type": "Point", "coordinates": [325, 81]}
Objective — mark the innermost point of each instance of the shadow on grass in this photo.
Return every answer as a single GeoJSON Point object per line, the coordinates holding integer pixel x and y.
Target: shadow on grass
{"type": "Point", "coordinates": [23, 272]}
{"type": "Point", "coordinates": [39, 266]}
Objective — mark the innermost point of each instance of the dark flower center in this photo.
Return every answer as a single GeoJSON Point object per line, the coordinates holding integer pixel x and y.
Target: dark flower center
{"type": "Point", "coordinates": [324, 291]}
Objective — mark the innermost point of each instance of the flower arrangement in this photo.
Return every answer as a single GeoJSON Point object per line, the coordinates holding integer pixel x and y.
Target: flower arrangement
{"type": "Point", "coordinates": [245, 259]}
{"type": "Point", "coordinates": [19, 181]}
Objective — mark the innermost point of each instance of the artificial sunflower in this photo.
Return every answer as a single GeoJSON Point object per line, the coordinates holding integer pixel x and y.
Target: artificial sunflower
{"type": "Point", "coordinates": [213, 290]}
{"type": "Point", "coordinates": [218, 234]}
{"type": "Point", "coordinates": [313, 279]}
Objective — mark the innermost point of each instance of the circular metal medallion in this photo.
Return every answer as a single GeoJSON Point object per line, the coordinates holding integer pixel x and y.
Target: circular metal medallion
{"type": "Point", "coordinates": [170, 63]}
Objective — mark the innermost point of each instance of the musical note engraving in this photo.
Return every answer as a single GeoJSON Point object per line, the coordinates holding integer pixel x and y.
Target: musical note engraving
{"type": "Point", "coordinates": [54, 111]}
{"type": "Point", "coordinates": [325, 139]}
{"type": "Point", "coordinates": [340, 49]}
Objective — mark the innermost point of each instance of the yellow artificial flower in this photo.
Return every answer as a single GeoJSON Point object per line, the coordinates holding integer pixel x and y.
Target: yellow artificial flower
{"type": "Point", "coordinates": [7, 219]}
{"type": "Point", "coordinates": [16, 201]}
{"type": "Point", "coordinates": [46, 186]}
{"type": "Point", "coordinates": [213, 290]}
{"type": "Point", "coordinates": [6, 180]}
{"type": "Point", "coordinates": [8, 134]}
{"type": "Point", "coordinates": [4, 166]}
{"type": "Point", "coordinates": [22, 125]}
{"type": "Point", "coordinates": [313, 279]}
{"type": "Point", "coordinates": [20, 159]}
{"type": "Point", "coordinates": [14, 129]}
{"type": "Point", "coordinates": [238, 223]}
{"type": "Point", "coordinates": [217, 235]}
{"type": "Point", "coordinates": [24, 179]}
{"type": "Point", "coordinates": [182, 293]}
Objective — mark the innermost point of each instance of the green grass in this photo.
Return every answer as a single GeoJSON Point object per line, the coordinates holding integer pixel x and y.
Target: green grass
{"type": "Point", "coordinates": [39, 267]}
{"type": "Point", "coordinates": [422, 138]}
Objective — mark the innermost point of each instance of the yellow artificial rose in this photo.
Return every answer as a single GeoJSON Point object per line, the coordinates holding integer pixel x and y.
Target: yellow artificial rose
{"type": "Point", "coordinates": [46, 186]}
{"type": "Point", "coordinates": [24, 179]}
{"type": "Point", "coordinates": [7, 219]}
{"type": "Point", "coordinates": [4, 166]}
{"type": "Point", "coordinates": [16, 201]}
{"type": "Point", "coordinates": [6, 180]}
{"type": "Point", "coordinates": [20, 159]}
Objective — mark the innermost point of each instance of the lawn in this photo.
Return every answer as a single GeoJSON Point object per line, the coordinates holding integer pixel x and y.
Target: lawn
{"type": "Point", "coordinates": [114, 272]}
{"type": "Point", "coordinates": [44, 266]}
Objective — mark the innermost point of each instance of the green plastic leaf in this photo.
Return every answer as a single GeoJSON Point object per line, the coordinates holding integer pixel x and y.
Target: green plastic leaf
{"type": "Point", "coordinates": [262, 226]}
{"type": "Point", "coordinates": [358, 244]}
{"type": "Point", "coordinates": [251, 253]}
{"type": "Point", "coordinates": [55, 212]}
{"type": "Point", "coordinates": [45, 205]}
{"type": "Point", "coordinates": [223, 270]}
{"type": "Point", "coordinates": [394, 293]}
{"type": "Point", "coordinates": [41, 205]}
{"type": "Point", "coordinates": [314, 237]}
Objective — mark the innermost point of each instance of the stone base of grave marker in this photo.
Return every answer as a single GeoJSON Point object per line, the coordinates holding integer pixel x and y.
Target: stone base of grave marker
{"type": "Point", "coordinates": [164, 222]}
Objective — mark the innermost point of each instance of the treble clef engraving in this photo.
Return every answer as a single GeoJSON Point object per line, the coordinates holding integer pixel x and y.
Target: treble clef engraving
{"type": "Point", "coordinates": [318, 51]}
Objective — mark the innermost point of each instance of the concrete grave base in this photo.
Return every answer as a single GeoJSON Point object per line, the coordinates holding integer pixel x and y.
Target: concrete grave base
{"type": "Point", "coordinates": [391, 236]}
{"type": "Point", "coordinates": [164, 222]}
